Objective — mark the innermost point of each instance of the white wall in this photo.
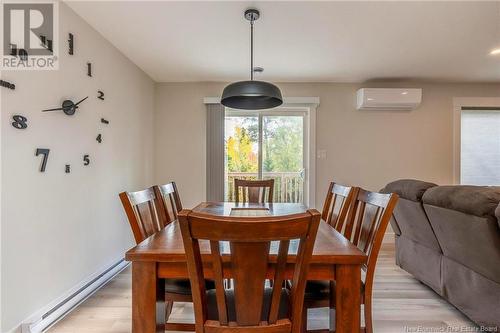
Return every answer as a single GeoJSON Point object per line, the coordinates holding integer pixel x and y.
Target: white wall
{"type": "Point", "coordinates": [57, 229]}
{"type": "Point", "coordinates": [366, 148]}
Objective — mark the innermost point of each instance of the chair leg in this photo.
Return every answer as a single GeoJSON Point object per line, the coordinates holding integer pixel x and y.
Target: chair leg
{"type": "Point", "coordinates": [168, 309]}
{"type": "Point", "coordinates": [304, 320]}
{"type": "Point", "coordinates": [368, 314]}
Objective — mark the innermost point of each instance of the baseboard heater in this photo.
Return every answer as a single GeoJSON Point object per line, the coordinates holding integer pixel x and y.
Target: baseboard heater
{"type": "Point", "coordinates": [40, 323]}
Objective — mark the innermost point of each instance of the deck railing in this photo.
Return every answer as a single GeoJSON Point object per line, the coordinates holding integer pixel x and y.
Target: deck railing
{"type": "Point", "coordinates": [288, 186]}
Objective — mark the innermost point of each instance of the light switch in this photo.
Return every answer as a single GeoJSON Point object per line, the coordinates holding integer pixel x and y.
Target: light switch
{"type": "Point", "coordinates": [321, 154]}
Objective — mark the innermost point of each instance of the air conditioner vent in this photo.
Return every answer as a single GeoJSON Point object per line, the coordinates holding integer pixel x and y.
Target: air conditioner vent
{"type": "Point", "coordinates": [388, 98]}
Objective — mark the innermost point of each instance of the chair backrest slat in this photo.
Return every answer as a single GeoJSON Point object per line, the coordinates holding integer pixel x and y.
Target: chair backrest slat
{"type": "Point", "coordinates": [278, 280]}
{"type": "Point", "coordinates": [249, 285]}
{"type": "Point", "coordinates": [358, 222]}
{"type": "Point", "coordinates": [142, 212]}
{"type": "Point", "coordinates": [253, 244]}
{"type": "Point", "coordinates": [219, 282]}
{"type": "Point", "coordinates": [338, 201]}
{"type": "Point", "coordinates": [253, 191]}
{"type": "Point", "coordinates": [170, 200]}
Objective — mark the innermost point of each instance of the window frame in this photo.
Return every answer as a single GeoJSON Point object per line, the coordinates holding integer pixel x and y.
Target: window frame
{"type": "Point", "coordinates": [458, 104]}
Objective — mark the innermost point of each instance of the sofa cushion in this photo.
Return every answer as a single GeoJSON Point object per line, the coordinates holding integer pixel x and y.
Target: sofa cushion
{"type": "Point", "coordinates": [474, 200]}
{"type": "Point", "coordinates": [413, 223]}
{"type": "Point", "coordinates": [472, 293]}
{"type": "Point", "coordinates": [470, 240]}
{"type": "Point", "coordinates": [420, 261]}
{"type": "Point", "coordinates": [410, 189]}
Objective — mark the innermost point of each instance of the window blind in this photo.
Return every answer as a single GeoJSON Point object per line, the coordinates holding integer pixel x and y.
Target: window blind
{"type": "Point", "coordinates": [480, 146]}
{"type": "Point", "coordinates": [215, 152]}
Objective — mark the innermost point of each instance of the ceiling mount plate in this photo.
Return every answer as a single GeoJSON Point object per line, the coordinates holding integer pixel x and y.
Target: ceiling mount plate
{"type": "Point", "coordinates": [252, 14]}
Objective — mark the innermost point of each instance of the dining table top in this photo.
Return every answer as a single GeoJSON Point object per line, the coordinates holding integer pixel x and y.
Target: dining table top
{"type": "Point", "coordinates": [249, 209]}
{"type": "Point", "coordinates": [330, 246]}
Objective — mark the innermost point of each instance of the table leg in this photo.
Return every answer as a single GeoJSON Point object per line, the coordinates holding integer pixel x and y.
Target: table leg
{"type": "Point", "coordinates": [347, 299]}
{"type": "Point", "coordinates": [148, 299]}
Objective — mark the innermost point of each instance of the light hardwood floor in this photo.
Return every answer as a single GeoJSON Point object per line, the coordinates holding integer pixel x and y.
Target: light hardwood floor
{"type": "Point", "coordinates": [401, 304]}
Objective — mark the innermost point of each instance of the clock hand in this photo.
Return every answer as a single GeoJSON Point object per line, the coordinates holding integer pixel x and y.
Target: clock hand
{"type": "Point", "coordinates": [76, 104]}
{"type": "Point", "coordinates": [56, 109]}
{"type": "Point", "coordinates": [68, 107]}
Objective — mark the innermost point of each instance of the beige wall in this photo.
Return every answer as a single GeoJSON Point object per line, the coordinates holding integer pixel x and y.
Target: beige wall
{"type": "Point", "coordinates": [180, 135]}
{"type": "Point", "coordinates": [367, 148]}
{"type": "Point", "coordinates": [58, 229]}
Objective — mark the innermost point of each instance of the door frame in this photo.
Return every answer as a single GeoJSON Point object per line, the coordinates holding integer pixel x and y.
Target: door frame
{"type": "Point", "coordinates": [458, 104]}
{"type": "Point", "coordinates": [283, 111]}
{"type": "Point", "coordinates": [308, 105]}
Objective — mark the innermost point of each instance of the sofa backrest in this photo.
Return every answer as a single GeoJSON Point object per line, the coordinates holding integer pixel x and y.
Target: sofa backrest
{"type": "Point", "coordinates": [466, 225]}
{"type": "Point", "coordinates": [409, 218]}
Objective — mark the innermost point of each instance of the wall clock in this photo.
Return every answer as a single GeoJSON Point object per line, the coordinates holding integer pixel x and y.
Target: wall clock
{"type": "Point", "coordinates": [67, 108]}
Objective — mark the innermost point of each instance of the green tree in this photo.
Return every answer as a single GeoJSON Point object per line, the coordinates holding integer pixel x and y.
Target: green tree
{"type": "Point", "coordinates": [240, 157]}
{"type": "Point", "coordinates": [283, 141]}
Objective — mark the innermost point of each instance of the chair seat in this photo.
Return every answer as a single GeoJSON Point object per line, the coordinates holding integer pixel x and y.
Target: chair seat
{"type": "Point", "coordinates": [318, 290]}
{"type": "Point", "coordinates": [183, 286]}
{"type": "Point", "coordinates": [213, 312]}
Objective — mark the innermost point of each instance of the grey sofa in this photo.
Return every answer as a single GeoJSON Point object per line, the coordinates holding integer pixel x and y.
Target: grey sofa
{"type": "Point", "coordinates": [448, 237]}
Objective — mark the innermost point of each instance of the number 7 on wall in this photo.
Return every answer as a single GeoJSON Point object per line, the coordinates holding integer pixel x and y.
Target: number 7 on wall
{"type": "Point", "coordinates": [45, 153]}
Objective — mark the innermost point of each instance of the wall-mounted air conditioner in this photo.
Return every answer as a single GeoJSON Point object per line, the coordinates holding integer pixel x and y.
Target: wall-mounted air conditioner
{"type": "Point", "coordinates": [388, 98]}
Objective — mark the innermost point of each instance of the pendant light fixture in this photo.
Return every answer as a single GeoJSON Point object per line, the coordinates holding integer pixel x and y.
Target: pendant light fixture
{"type": "Point", "coordinates": [251, 95]}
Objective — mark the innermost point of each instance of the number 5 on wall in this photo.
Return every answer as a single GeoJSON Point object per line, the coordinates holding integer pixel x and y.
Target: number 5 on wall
{"type": "Point", "coordinates": [45, 152]}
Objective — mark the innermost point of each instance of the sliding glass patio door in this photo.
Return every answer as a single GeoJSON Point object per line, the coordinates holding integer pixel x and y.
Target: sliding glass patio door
{"type": "Point", "coordinates": [264, 145]}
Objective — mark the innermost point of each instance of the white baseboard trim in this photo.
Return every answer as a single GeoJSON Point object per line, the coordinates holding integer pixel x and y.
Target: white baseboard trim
{"type": "Point", "coordinates": [58, 309]}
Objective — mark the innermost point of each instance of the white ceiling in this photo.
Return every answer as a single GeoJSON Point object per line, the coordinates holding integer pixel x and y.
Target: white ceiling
{"type": "Point", "coordinates": [304, 41]}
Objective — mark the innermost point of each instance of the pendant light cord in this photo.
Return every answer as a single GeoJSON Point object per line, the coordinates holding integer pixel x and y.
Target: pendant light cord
{"type": "Point", "coordinates": [251, 49]}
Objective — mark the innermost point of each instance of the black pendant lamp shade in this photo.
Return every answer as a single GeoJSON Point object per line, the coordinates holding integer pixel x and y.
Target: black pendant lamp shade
{"type": "Point", "coordinates": [251, 95]}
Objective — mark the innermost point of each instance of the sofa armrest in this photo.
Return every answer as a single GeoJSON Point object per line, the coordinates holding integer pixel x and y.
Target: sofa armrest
{"type": "Point", "coordinates": [409, 189]}
{"type": "Point", "coordinates": [481, 201]}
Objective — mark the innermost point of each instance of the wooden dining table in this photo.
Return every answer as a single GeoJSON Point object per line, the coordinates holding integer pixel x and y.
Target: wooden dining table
{"type": "Point", "coordinates": [162, 256]}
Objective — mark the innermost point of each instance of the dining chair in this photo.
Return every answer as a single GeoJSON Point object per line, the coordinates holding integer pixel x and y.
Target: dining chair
{"type": "Point", "coordinates": [365, 227]}
{"type": "Point", "coordinates": [240, 248]}
{"type": "Point", "coordinates": [170, 200]}
{"type": "Point", "coordinates": [142, 212]}
{"type": "Point", "coordinates": [338, 201]}
{"type": "Point", "coordinates": [254, 191]}
{"type": "Point", "coordinates": [147, 215]}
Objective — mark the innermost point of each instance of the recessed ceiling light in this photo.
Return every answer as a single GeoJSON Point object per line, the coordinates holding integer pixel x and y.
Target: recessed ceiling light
{"type": "Point", "coordinates": [495, 51]}
{"type": "Point", "coordinates": [404, 93]}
